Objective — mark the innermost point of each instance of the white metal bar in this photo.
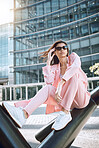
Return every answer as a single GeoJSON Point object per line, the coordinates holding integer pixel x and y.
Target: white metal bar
{"type": "Point", "coordinates": [10, 93]}
{"type": "Point", "coordinates": [5, 93]}
{"type": "Point", "coordinates": [26, 92]}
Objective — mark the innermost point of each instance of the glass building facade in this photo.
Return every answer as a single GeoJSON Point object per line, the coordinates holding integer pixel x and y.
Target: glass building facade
{"type": "Point", "coordinates": [3, 54]}
{"type": "Point", "coordinates": [6, 58]}
{"type": "Point", "coordinates": [39, 23]}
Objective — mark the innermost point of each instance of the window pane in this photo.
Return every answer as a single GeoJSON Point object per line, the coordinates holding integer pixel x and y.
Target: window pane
{"type": "Point", "coordinates": [57, 34]}
{"type": "Point", "coordinates": [70, 2]}
{"type": "Point", "coordinates": [84, 29]}
{"type": "Point", "coordinates": [63, 3]}
{"type": "Point", "coordinates": [55, 5]}
{"type": "Point", "coordinates": [84, 43]}
{"type": "Point", "coordinates": [94, 40]}
{"type": "Point", "coordinates": [47, 7]}
{"type": "Point", "coordinates": [95, 27]}
{"type": "Point", "coordinates": [75, 45]}
{"type": "Point", "coordinates": [40, 9]}
{"type": "Point", "coordinates": [95, 48]}
{"type": "Point", "coordinates": [49, 37]}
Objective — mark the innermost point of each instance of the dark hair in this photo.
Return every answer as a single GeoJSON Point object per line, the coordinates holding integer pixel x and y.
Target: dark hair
{"type": "Point", "coordinates": [55, 59]}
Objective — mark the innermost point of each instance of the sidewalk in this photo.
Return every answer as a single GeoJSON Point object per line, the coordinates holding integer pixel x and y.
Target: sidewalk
{"type": "Point", "coordinates": [87, 138]}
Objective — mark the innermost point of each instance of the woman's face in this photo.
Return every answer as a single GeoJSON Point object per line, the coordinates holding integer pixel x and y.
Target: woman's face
{"type": "Point", "coordinates": [61, 53]}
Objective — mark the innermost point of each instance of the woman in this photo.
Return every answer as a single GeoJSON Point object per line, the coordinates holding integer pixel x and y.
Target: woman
{"type": "Point", "coordinates": [65, 89]}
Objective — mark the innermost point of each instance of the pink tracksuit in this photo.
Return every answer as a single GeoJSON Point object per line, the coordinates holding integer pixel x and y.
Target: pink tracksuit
{"type": "Point", "coordinates": [74, 92]}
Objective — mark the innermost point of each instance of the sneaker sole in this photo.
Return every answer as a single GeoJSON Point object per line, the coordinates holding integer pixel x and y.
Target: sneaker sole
{"type": "Point", "coordinates": [16, 121]}
{"type": "Point", "coordinates": [63, 127]}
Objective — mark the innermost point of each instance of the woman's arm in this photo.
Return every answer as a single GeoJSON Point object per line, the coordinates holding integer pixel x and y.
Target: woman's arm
{"type": "Point", "coordinates": [58, 91]}
{"type": "Point", "coordinates": [75, 65]}
{"type": "Point", "coordinates": [71, 70]}
{"type": "Point", "coordinates": [49, 71]}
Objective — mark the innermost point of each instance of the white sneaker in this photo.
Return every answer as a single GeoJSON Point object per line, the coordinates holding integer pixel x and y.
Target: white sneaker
{"type": "Point", "coordinates": [61, 121]}
{"type": "Point", "coordinates": [16, 114]}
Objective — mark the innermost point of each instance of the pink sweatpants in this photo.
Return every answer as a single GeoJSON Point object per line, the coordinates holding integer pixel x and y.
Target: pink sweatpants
{"type": "Point", "coordinates": [74, 94]}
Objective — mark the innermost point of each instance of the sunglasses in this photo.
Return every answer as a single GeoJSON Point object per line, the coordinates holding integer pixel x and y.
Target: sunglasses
{"type": "Point", "coordinates": [59, 48]}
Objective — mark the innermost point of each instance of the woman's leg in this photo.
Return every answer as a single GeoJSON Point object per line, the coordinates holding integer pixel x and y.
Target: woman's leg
{"type": "Point", "coordinates": [69, 95]}
{"type": "Point", "coordinates": [17, 113]}
{"type": "Point", "coordinates": [69, 92]}
{"type": "Point", "coordinates": [82, 97]}
{"type": "Point", "coordinates": [41, 96]}
{"type": "Point", "coordinates": [74, 94]}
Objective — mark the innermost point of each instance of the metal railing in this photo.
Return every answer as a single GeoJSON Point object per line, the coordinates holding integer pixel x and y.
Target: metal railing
{"type": "Point", "coordinates": [16, 92]}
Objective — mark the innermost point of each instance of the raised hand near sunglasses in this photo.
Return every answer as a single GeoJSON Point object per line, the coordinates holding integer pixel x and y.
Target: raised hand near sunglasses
{"type": "Point", "coordinates": [58, 97]}
{"type": "Point", "coordinates": [50, 56]}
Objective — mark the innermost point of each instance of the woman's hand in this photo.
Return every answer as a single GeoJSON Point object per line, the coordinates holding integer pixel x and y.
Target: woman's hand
{"type": "Point", "coordinates": [50, 56]}
{"type": "Point", "coordinates": [58, 97]}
